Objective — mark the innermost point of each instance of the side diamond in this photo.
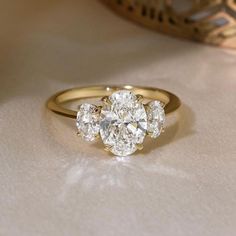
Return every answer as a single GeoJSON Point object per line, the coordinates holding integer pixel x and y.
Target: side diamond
{"type": "Point", "coordinates": [87, 121]}
{"type": "Point", "coordinates": [156, 118]}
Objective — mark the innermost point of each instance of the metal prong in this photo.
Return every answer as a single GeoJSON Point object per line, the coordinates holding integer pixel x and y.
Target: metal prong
{"type": "Point", "coordinates": [98, 109]}
{"type": "Point", "coordinates": [97, 136]}
{"type": "Point", "coordinates": [163, 130]}
{"type": "Point", "coordinates": [107, 148]}
{"type": "Point", "coordinates": [162, 104]}
{"type": "Point", "coordinates": [139, 97]}
{"type": "Point", "coordinates": [145, 106]}
{"type": "Point", "coordinates": [78, 133]}
{"type": "Point", "coordinates": [106, 100]}
{"type": "Point", "coordinates": [139, 146]}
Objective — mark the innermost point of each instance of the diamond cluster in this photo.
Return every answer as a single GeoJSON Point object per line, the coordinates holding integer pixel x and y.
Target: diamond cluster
{"type": "Point", "coordinates": [122, 122]}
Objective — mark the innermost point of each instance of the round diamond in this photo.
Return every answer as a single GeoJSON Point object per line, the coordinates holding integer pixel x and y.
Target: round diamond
{"type": "Point", "coordinates": [156, 118]}
{"type": "Point", "coordinates": [87, 121]}
{"type": "Point", "coordinates": [123, 123]}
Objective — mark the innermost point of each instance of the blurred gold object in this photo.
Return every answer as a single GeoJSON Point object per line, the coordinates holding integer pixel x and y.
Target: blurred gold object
{"type": "Point", "coordinates": [208, 21]}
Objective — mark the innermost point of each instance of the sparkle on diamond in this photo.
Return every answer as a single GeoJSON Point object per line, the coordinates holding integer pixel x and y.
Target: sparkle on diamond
{"type": "Point", "coordinates": [123, 123]}
{"type": "Point", "coordinates": [88, 121]}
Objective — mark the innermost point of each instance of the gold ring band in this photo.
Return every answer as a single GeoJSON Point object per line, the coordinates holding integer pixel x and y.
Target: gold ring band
{"type": "Point", "coordinates": [55, 103]}
{"type": "Point", "coordinates": [124, 120]}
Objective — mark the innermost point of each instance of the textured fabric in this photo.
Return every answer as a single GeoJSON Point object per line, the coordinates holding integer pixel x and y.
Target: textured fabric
{"type": "Point", "coordinates": [52, 183]}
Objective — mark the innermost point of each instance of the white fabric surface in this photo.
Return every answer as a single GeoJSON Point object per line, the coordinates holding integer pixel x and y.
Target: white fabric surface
{"type": "Point", "coordinates": [52, 183]}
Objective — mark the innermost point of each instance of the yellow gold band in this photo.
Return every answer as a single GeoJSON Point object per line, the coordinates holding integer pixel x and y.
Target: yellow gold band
{"type": "Point", "coordinates": [57, 101]}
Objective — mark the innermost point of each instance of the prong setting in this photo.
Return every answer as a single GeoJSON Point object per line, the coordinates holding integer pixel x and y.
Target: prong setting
{"type": "Point", "coordinates": [139, 146]}
{"type": "Point", "coordinates": [98, 109]}
{"type": "Point", "coordinates": [162, 104]}
{"type": "Point", "coordinates": [139, 97]}
{"type": "Point", "coordinates": [106, 100]}
{"type": "Point", "coordinates": [107, 148]}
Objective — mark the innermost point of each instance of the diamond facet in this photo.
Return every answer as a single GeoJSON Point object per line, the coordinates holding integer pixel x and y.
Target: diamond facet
{"type": "Point", "coordinates": [87, 121]}
{"type": "Point", "coordinates": [123, 123]}
{"type": "Point", "coordinates": [156, 118]}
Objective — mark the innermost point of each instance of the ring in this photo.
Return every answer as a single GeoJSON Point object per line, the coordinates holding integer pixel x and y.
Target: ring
{"type": "Point", "coordinates": [126, 115]}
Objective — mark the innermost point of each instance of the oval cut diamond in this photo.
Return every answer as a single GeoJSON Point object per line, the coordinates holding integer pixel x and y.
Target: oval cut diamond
{"type": "Point", "coordinates": [123, 123]}
{"type": "Point", "coordinates": [87, 121]}
{"type": "Point", "coordinates": [156, 118]}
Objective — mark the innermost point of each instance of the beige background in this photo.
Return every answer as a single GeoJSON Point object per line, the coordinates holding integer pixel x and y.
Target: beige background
{"type": "Point", "coordinates": [51, 183]}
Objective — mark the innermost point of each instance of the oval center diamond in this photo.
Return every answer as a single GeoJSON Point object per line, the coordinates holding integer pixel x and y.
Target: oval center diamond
{"type": "Point", "coordinates": [123, 123]}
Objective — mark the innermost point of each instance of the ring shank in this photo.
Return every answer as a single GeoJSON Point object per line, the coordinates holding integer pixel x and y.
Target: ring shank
{"type": "Point", "coordinates": [55, 103]}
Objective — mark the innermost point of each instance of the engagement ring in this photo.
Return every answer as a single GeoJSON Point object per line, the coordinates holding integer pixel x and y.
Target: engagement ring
{"type": "Point", "coordinates": [126, 115]}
